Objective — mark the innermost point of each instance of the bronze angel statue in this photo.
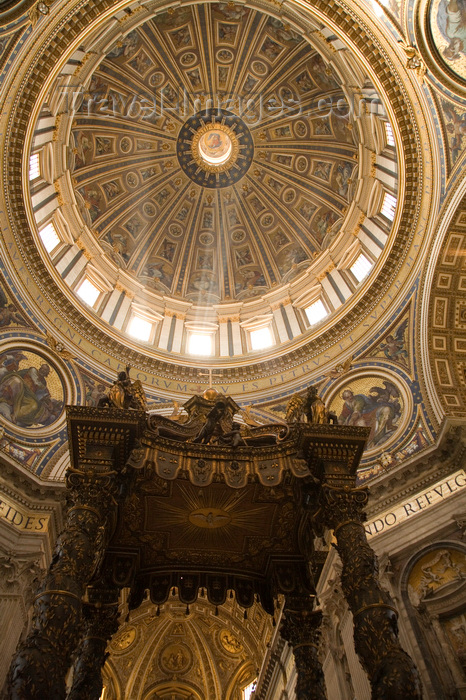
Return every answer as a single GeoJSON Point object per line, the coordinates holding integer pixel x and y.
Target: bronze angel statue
{"type": "Point", "coordinates": [308, 408]}
{"type": "Point", "coordinates": [125, 394]}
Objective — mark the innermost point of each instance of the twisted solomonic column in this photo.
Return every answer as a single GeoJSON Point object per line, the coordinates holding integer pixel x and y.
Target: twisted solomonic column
{"type": "Point", "coordinates": [42, 661]}
{"type": "Point", "coordinates": [301, 628]}
{"type": "Point", "coordinates": [391, 671]}
{"type": "Point", "coordinates": [100, 624]}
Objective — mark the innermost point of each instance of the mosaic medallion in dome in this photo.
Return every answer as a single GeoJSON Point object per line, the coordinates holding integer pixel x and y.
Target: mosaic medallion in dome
{"type": "Point", "coordinates": [32, 393]}
{"type": "Point", "coordinates": [376, 401]}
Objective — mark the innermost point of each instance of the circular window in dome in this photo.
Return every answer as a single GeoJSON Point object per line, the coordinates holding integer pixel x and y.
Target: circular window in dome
{"type": "Point", "coordinates": [215, 147]}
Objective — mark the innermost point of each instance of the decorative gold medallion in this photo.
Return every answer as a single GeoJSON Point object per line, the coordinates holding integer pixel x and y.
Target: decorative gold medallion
{"type": "Point", "coordinates": [124, 639]}
{"type": "Point", "coordinates": [230, 643]}
{"type": "Point", "coordinates": [175, 658]}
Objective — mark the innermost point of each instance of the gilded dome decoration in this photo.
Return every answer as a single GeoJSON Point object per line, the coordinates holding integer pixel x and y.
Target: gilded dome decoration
{"type": "Point", "coordinates": [158, 270]}
{"type": "Point", "coordinates": [215, 148]}
{"type": "Point", "coordinates": [279, 144]}
{"type": "Point", "coordinates": [215, 156]}
{"type": "Point", "coordinates": [242, 203]}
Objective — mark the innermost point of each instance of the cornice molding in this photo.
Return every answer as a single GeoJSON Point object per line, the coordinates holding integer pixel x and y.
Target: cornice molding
{"type": "Point", "coordinates": [417, 474]}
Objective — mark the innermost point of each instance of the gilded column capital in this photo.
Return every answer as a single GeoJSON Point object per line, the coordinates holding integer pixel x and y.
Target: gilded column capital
{"type": "Point", "coordinates": [92, 490]}
{"type": "Point", "coordinates": [341, 506]}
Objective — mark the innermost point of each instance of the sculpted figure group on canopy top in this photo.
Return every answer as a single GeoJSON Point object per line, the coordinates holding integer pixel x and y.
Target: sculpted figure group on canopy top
{"type": "Point", "coordinates": [218, 426]}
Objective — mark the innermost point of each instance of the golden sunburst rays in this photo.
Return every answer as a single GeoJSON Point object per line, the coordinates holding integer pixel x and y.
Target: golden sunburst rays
{"type": "Point", "coordinates": [209, 518]}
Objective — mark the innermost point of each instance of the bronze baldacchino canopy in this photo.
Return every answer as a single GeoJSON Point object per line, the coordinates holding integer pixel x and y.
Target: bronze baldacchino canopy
{"type": "Point", "coordinates": [204, 507]}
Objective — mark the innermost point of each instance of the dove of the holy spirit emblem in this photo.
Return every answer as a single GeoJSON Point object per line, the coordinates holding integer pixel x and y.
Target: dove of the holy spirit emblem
{"type": "Point", "coordinates": [209, 518]}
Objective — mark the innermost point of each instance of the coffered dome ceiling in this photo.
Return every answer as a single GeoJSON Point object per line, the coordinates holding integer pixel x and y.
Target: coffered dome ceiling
{"type": "Point", "coordinates": [159, 209]}
{"type": "Point", "coordinates": [187, 653]}
{"type": "Point", "coordinates": [215, 157]}
{"type": "Point", "coordinates": [211, 171]}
